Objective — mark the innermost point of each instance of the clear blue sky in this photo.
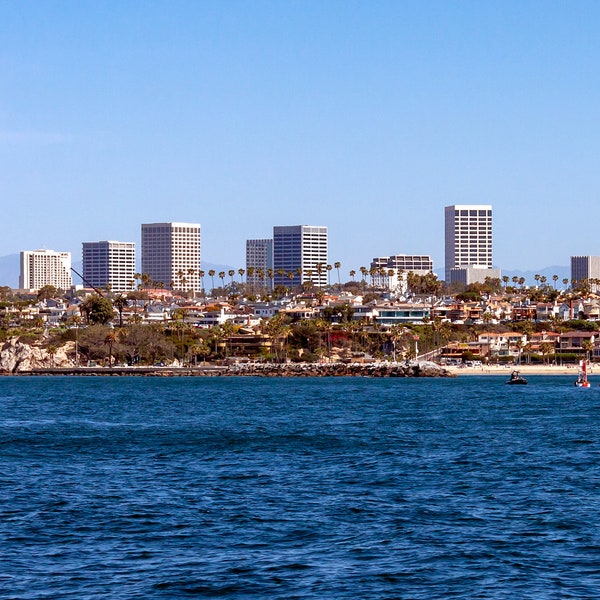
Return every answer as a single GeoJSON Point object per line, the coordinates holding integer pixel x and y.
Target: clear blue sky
{"type": "Point", "coordinates": [368, 117]}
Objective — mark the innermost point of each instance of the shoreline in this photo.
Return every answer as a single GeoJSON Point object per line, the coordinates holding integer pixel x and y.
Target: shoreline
{"type": "Point", "coordinates": [378, 369]}
{"type": "Point", "coordinates": [524, 370]}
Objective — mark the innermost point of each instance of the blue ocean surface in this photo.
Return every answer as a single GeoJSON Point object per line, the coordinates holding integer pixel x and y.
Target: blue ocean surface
{"type": "Point", "coordinates": [338, 488]}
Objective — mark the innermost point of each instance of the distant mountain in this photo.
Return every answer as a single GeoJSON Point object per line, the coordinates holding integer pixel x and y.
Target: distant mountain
{"type": "Point", "coordinates": [9, 270]}
{"type": "Point", "coordinates": [206, 267]}
{"type": "Point", "coordinates": [548, 272]}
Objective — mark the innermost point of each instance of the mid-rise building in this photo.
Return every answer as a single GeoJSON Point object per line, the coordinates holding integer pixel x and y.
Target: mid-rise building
{"type": "Point", "coordinates": [171, 254]}
{"type": "Point", "coordinates": [468, 237]}
{"type": "Point", "coordinates": [585, 267]}
{"type": "Point", "coordinates": [300, 255]}
{"type": "Point", "coordinates": [469, 275]}
{"type": "Point", "coordinates": [45, 267]}
{"type": "Point", "coordinates": [259, 263]}
{"type": "Point", "coordinates": [109, 264]}
{"type": "Point", "coordinates": [391, 271]}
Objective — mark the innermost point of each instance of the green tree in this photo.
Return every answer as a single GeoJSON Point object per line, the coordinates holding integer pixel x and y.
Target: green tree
{"type": "Point", "coordinates": [97, 310]}
{"type": "Point", "coordinates": [47, 292]}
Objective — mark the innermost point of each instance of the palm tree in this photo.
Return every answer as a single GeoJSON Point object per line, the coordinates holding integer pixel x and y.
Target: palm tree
{"type": "Point", "coordinates": [201, 275]}
{"type": "Point", "coordinates": [241, 274]}
{"type": "Point", "coordinates": [211, 274]}
{"type": "Point", "coordinates": [120, 303]}
{"type": "Point", "coordinates": [250, 276]}
{"type": "Point", "coordinates": [337, 266]}
{"type": "Point", "coordinates": [309, 274]}
{"type": "Point", "coordinates": [546, 348]}
{"type": "Point", "coordinates": [372, 272]}
{"type": "Point", "coordinates": [109, 340]}
{"type": "Point", "coordinates": [191, 272]}
{"type": "Point", "coordinates": [555, 279]}
{"type": "Point", "coordinates": [328, 267]}
{"type": "Point", "coordinates": [390, 274]}
{"type": "Point", "coordinates": [261, 275]}
{"type": "Point", "coordinates": [363, 272]}
{"type": "Point", "coordinates": [222, 278]}
{"type": "Point", "coordinates": [352, 274]}
{"type": "Point", "coordinates": [505, 280]}
{"type": "Point", "coordinates": [319, 268]}
{"type": "Point", "coordinates": [588, 346]}
{"type": "Point", "coordinates": [52, 350]}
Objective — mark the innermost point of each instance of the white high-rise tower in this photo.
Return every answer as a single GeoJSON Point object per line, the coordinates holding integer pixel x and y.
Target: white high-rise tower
{"type": "Point", "coordinates": [468, 237]}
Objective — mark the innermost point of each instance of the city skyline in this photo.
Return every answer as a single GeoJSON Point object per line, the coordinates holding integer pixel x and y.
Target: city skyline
{"type": "Point", "coordinates": [368, 118]}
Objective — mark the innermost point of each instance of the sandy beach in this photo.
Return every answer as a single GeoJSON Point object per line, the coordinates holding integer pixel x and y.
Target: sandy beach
{"type": "Point", "coordinates": [525, 370]}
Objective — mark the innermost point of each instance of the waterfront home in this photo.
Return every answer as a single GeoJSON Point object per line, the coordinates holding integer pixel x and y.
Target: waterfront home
{"type": "Point", "coordinates": [401, 314]}
{"type": "Point", "coordinates": [572, 342]}
{"type": "Point", "coordinates": [507, 344]}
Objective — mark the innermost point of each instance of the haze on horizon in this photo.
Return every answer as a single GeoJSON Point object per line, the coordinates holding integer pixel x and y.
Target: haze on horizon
{"type": "Point", "coordinates": [368, 118]}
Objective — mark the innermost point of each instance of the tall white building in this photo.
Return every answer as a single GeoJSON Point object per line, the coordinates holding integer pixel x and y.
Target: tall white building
{"type": "Point", "coordinates": [109, 263]}
{"type": "Point", "coordinates": [468, 237]}
{"type": "Point", "coordinates": [45, 267]}
{"type": "Point", "coordinates": [301, 250]}
{"type": "Point", "coordinates": [171, 254]}
{"type": "Point", "coordinates": [259, 259]}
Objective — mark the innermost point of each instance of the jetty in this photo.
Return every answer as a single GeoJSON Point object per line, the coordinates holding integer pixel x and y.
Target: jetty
{"type": "Point", "coordinates": [255, 369]}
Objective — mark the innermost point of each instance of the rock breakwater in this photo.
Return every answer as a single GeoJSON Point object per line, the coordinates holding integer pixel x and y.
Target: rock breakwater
{"type": "Point", "coordinates": [379, 369]}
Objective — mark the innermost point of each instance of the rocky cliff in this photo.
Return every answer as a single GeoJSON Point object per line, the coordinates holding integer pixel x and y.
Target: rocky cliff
{"type": "Point", "coordinates": [18, 357]}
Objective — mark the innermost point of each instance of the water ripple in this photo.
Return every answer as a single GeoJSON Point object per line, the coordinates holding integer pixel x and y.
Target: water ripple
{"type": "Point", "coordinates": [298, 489]}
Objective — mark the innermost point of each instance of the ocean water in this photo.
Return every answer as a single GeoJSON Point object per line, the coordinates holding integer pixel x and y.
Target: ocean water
{"type": "Point", "coordinates": [298, 488]}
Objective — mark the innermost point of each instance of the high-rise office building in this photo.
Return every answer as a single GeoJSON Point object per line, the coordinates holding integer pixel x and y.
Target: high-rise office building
{"type": "Point", "coordinates": [45, 267]}
{"type": "Point", "coordinates": [302, 251]}
{"type": "Point", "coordinates": [259, 259]}
{"type": "Point", "coordinates": [171, 254]}
{"type": "Point", "coordinates": [109, 263]}
{"type": "Point", "coordinates": [585, 267]}
{"type": "Point", "coordinates": [468, 237]}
